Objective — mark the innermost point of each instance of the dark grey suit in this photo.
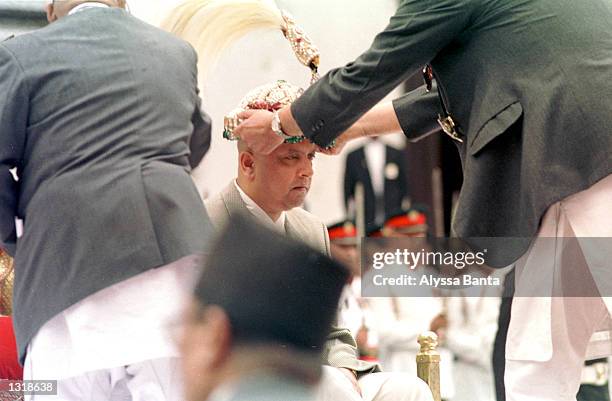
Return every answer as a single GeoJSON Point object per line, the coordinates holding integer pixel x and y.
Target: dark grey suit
{"type": "Point", "coordinates": [528, 83]}
{"type": "Point", "coordinates": [100, 115]}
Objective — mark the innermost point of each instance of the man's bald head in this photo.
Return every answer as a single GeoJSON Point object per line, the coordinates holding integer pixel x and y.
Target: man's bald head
{"type": "Point", "coordinates": [57, 9]}
{"type": "Point", "coordinates": [279, 181]}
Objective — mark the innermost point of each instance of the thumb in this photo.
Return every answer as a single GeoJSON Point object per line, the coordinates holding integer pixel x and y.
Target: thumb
{"type": "Point", "coordinates": [243, 115]}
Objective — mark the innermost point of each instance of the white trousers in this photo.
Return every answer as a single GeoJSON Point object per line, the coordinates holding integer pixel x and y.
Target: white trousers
{"type": "Point", "coordinates": [109, 343]}
{"type": "Point", "coordinates": [550, 337]}
{"type": "Point", "coordinates": [154, 380]}
{"type": "Point", "coordinates": [335, 386]}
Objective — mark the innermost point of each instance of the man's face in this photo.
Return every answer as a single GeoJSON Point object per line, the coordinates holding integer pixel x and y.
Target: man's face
{"type": "Point", "coordinates": [281, 180]}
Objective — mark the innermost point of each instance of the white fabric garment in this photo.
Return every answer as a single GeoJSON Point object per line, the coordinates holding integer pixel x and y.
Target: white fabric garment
{"type": "Point", "coordinates": [375, 154]}
{"type": "Point", "coordinates": [153, 380]}
{"type": "Point", "coordinates": [128, 322]}
{"type": "Point", "coordinates": [472, 325]}
{"type": "Point", "coordinates": [545, 352]}
{"type": "Point", "coordinates": [375, 387]}
{"type": "Point", "coordinates": [350, 315]}
{"type": "Point", "coordinates": [260, 214]}
{"type": "Point", "coordinates": [89, 4]}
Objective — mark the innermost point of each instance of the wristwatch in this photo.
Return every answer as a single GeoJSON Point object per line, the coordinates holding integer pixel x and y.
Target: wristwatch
{"type": "Point", "coordinates": [278, 130]}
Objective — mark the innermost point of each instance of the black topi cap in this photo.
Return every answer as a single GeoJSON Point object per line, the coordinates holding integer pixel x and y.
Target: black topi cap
{"type": "Point", "coordinates": [274, 289]}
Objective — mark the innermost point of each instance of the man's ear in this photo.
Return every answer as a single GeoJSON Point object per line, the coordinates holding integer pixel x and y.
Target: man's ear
{"type": "Point", "coordinates": [216, 336]}
{"type": "Point", "coordinates": [247, 164]}
{"type": "Point", "coordinates": [51, 13]}
{"type": "Point", "coordinates": [205, 346]}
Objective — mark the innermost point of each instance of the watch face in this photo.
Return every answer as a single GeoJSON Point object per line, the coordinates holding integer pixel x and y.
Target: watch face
{"type": "Point", "coordinates": [276, 127]}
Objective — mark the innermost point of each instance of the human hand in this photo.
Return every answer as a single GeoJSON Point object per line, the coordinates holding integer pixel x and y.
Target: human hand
{"type": "Point", "coordinates": [362, 338]}
{"type": "Point", "coordinates": [353, 379]}
{"type": "Point", "coordinates": [256, 131]}
{"type": "Point", "coordinates": [354, 132]}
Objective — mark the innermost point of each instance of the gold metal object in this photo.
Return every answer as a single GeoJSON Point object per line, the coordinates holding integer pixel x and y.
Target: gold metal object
{"type": "Point", "coordinates": [449, 127]}
{"type": "Point", "coordinates": [428, 363]}
{"type": "Point", "coordinates": [6, 283]}
{"type": "Point", "coordinates": [428, 77]}
{"type": "Point", "coordinates": [273, 97]}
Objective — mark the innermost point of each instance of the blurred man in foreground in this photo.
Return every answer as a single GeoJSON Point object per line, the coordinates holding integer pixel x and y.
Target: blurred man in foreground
{"type": "Point", "coordinates": [258, 337]}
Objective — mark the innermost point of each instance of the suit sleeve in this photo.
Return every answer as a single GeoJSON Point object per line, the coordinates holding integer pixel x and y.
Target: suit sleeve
{"type": "Point", "coordinates": [341, 352]}
{"type": "Point", "coordinates": [14, 106]}
{"type": "Point", "coordinates": [200, 138]}
{"type": "Point", "coordinates": [417, 112]}
{"type": "Point", "coordinates": [417, 32]}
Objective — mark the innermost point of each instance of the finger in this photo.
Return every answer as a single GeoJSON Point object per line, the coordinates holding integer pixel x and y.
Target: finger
{"type": "Point", "coordinates": [243, 115]}
{"type": "Point", "coordinates": [238, 131]}
{"type": "Point", "coordinates": [242, 130]}
{"type": "Point", "coordinates": [270, 146]}
{"type": "Point", "coordinates": [327, 151]}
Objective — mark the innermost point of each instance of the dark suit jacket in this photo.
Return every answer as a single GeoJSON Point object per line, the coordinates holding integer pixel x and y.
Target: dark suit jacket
{"type": "Point", "coordinates": [100, 115]}
{"type": "Point", "coordinates": [395, 187]}
{"type": "Point", "coordinates": [528, 83]}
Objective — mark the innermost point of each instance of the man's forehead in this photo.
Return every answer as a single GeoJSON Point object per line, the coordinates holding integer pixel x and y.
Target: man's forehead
{"type": "Point", "coordinates": [303, 147]}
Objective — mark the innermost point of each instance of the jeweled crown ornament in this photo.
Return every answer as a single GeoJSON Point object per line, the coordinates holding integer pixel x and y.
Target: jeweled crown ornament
{"type": "Point", "coordinates": [213, 25]}
{"type": "Point", "coordinates": [270, 97]}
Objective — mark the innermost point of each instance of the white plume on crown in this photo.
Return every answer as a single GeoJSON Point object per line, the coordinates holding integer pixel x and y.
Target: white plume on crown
{"type": "Point", "coordinates": [211, 26]}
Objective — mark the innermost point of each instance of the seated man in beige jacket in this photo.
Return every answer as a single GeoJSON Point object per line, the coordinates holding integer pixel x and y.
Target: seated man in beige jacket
{"type": "Point", "coordinates": [270, 189]}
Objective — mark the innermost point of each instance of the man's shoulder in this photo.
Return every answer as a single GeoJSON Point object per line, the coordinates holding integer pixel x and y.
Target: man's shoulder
{"type": "Point", "coordinates": [15, 44]}
{"type": "Point", "coordinates": [216, 205]}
